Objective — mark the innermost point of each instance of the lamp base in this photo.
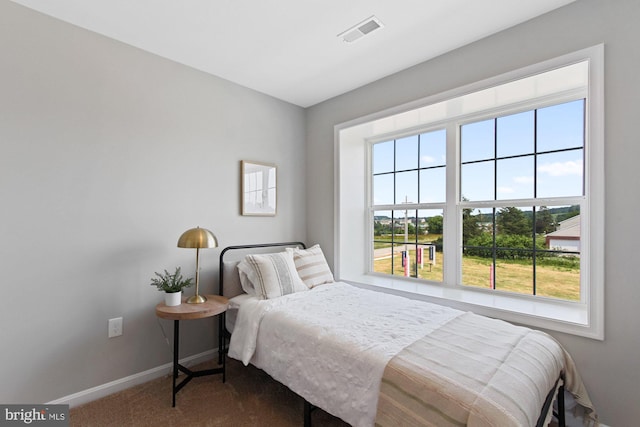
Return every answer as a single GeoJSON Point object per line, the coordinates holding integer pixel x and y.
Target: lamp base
{"type": "Point", "coordinates": [196, 299]}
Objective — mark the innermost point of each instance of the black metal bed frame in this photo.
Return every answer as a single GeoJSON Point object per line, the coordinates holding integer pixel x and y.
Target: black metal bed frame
{"type": "Point", "coordinates": [559, 413]}
{"type": "Point", "coordinates": [224, 334]}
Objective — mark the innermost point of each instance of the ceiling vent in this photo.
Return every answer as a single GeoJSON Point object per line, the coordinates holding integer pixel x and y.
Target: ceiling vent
{"type": "Point", "coordinates": [360, 30]}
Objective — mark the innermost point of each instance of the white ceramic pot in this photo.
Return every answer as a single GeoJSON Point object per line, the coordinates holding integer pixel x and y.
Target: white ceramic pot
{"type": "Point", "coordinates": [172, 298]}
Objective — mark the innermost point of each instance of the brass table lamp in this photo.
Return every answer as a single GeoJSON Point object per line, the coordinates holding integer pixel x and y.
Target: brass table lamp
{"type": "Point", "coordinates": [197, 238]}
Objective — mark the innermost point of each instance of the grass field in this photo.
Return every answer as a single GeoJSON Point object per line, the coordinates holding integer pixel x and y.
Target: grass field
{"type": "Point", "coordinates": [512, 276]}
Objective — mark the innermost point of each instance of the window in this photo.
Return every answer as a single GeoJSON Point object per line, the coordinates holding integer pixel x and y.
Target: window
{"type": "Point", "coordinates": [408, 196]}
{"type": "Point", "coordinates": [522, 158]}
{"type": "Point", "coordinates": [518, 159]}
{"type": "Point", "coordinates": [487, 198]}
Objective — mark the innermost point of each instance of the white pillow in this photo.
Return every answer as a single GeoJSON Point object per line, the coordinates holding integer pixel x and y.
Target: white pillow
{"type": "Point", "coordinates": [312, 266]}
{"type": "Point", "coordinates": [245, 283]}
{"type": "Point", "coordinates": [272, 275]}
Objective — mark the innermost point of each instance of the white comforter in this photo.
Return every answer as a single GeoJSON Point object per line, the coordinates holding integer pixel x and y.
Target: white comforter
{"type": "Point", "coordinates": [331, 344]}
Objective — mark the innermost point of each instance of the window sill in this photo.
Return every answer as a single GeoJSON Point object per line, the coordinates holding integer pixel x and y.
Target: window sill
{"type": "Point", "coordinates": [545, 313]}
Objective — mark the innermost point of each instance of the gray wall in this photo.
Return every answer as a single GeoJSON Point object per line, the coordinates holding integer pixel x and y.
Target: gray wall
{"type": "Point", "coordinates": [610, 368]}
{"type": "Point", "coordinates": [107, 154]}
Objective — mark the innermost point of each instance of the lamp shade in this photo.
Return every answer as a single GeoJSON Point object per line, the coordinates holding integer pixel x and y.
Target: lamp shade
{"type": "Point", "coordinates": [197, 238]}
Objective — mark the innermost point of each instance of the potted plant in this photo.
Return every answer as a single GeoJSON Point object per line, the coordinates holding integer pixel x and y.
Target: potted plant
{"type": "Point", "coordinates": [172, 285]}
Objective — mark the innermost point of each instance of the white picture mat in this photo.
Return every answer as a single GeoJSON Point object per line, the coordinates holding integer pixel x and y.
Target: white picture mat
{"type": "Point", "coordinates": [258, 188]}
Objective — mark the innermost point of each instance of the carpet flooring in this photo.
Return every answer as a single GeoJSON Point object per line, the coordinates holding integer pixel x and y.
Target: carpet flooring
{"type": "Point", "coordinates": [249, 397]}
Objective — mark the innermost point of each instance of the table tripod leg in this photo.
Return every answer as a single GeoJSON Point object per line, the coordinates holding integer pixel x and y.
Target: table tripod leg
{"type": "Point", "coordinates": [176, 342]}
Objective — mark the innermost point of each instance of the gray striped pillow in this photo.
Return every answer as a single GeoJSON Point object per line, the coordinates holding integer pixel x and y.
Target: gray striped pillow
{"type": "Point", "coordinates": [312, 266]}
{"type": "Point", "coordinates": [272, 275]}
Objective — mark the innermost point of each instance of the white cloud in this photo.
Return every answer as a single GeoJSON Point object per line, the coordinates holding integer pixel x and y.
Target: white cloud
{"type": "Point", "coordinates": [506, 190]}
{"type": "Point", "coordinates": [571, 167]}
{"type": "Point", "coordinates": [523, 179]}
{"type": "Point", "coordinates": [427, 159]}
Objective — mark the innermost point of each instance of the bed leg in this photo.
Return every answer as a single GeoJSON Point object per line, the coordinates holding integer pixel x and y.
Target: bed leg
{"type": "Point", "coordinates": [548, 404]}
{"type": "Point", "coordinates": [561, 415]}
{"type": "Point", "coordinates": [307, 413]}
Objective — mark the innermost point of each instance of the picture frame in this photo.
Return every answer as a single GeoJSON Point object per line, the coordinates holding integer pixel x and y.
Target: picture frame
{"type": "Point", "coordinates": [259, 188]}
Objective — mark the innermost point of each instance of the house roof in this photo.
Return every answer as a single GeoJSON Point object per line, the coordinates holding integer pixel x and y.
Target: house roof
{"type": "Point", "coordinates": [568, 228]}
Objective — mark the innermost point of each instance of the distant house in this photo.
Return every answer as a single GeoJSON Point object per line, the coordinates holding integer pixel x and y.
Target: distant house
{"type": "Point", "coordinates": [567, 236]}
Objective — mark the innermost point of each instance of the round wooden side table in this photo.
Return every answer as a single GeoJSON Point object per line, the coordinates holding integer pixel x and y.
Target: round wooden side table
{"type": "Point", "coordinates": [215, 305]}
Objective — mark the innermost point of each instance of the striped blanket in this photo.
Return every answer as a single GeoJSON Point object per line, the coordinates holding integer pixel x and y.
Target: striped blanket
{"type": "Point", "coordinates": [474, 371]}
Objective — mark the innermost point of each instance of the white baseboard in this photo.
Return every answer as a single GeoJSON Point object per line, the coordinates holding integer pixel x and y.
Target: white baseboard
{"type": "Point", "coordinates": [103, 390]}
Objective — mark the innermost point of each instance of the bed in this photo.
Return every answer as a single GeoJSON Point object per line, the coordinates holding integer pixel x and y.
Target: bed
{"type": "Point", "coordinates": [372, 358]}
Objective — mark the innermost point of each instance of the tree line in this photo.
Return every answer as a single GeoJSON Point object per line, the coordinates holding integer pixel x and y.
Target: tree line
{"type": "Point", "coordinates": [509, 220]}
{"type": "Point", "coordinates": [516, 231]}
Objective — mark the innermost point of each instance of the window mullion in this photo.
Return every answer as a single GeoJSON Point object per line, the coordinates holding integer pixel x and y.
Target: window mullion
{"type": "Point", "coordinates": [452, 221]}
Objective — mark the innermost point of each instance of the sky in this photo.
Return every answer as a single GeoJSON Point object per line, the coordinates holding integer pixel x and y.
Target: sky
{"type": "Point", "coordinates": [559, 174]}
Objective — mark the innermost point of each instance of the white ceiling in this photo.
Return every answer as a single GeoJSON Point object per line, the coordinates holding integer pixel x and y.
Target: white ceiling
{"type": "Point", "coordinates": [289, 48]}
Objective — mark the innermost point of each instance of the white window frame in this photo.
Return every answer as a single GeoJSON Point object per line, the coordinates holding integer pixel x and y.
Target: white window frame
{"type": "Point", "coordinates": [353, 228]}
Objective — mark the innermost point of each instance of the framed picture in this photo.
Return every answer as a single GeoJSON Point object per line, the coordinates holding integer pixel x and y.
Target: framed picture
{"type": "Point", "coordinates": [258, 189]}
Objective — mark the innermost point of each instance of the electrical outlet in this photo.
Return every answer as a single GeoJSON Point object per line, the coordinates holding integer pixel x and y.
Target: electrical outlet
{"type": "Point", "coordinates": [115, 327]}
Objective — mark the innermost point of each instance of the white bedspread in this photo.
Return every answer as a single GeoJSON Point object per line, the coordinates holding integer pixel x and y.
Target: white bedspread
{"type": "Point", "coordinates": [336, 360]}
